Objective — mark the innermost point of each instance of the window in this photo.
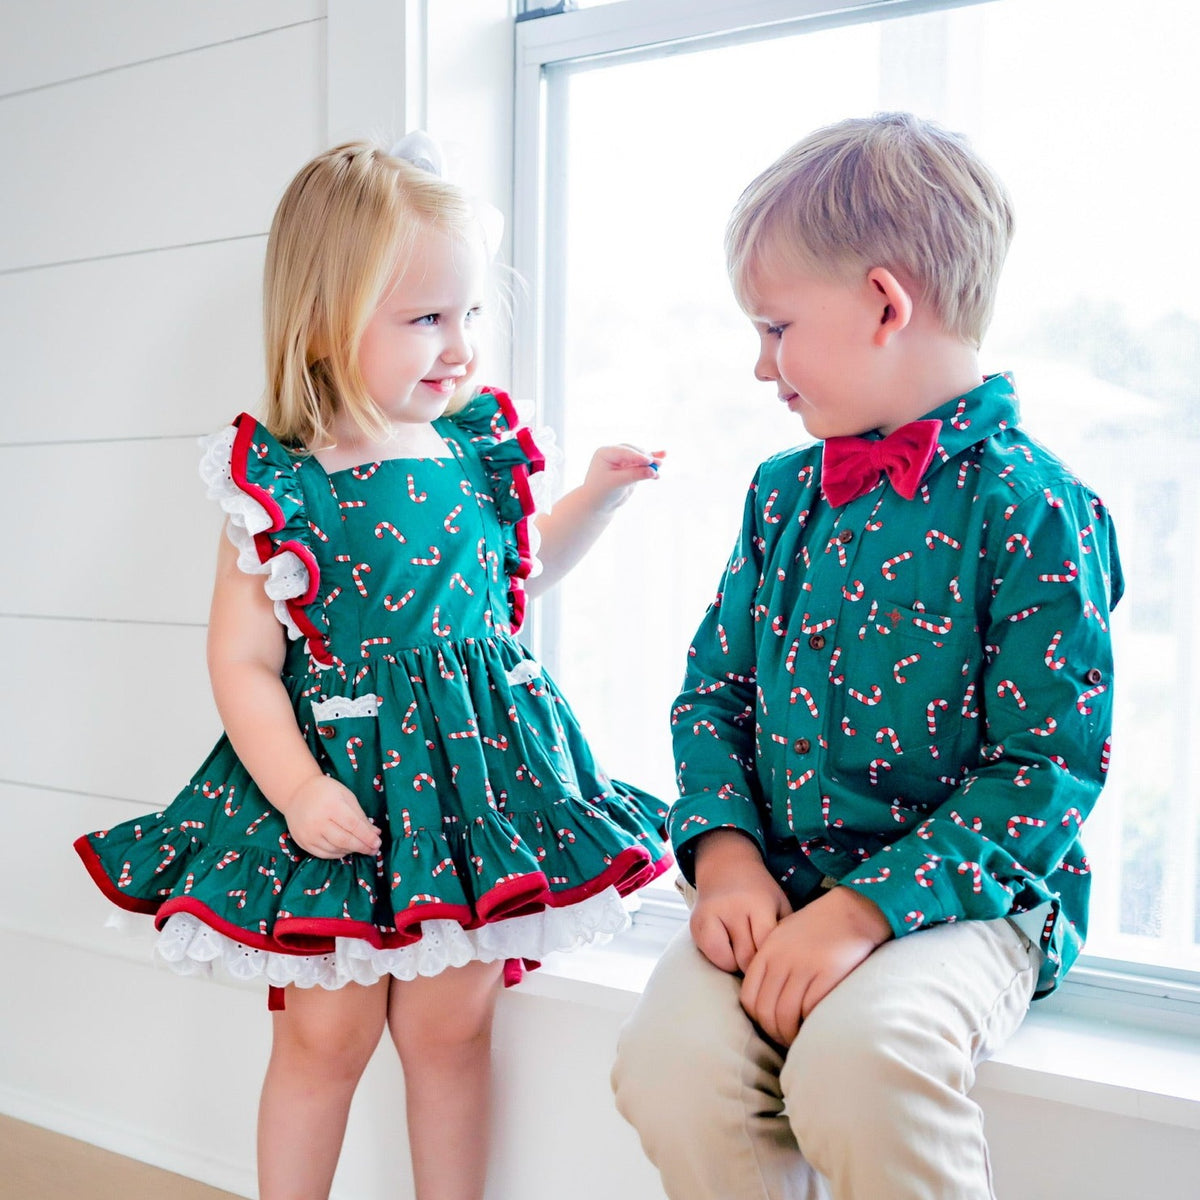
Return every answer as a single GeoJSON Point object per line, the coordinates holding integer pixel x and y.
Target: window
{"type": "Point", "coordinates": [652, 119]}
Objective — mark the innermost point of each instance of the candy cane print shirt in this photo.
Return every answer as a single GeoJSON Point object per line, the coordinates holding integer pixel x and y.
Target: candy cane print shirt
{"type": "Point", "coordinates": [913, 697]}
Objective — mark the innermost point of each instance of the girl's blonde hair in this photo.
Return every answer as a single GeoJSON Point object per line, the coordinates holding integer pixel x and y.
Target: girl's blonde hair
{"type": "Point", "coordinates": [346, 221]}
{"type": "Point", "coordinates": [890, 191]}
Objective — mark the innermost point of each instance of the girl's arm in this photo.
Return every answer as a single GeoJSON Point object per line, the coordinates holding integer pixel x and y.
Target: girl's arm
{"type": "Point", "coordinates": [582, 515]}
{"type": "Point", "coordinates": [246, 646]}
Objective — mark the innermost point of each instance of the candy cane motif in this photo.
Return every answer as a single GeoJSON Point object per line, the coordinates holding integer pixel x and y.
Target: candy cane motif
{"type": "Point", "coordinates": [456, 578]}
{"type": "Point", "coordinates": [169, 851]}
{"type": "Point", "coordinates": [805, 627]}
{"type": "Point", "coordinates": [923, 872]}
{"type": "Point", "coordinates": [406, 720]}
{"type": "Point", "coordinates": [883, 875]}
{"type": "Point", "coordinates": [942, 626]}
{"type": "Point", "coordinates": [230, 856]}
{"type": "Point", "coordinates": [524, 771]}
{"type": "Point", "coordinates": [254, 825]}
{"type": "Point", "coordinates": [1021, 778]}
{"type": "Point", "coordinates": [874, 698]}
{"type": "Point", "coordinates": [1050, 725]}
{"type": "Point", "coordinates": [768, 516]}
{"type": "Point", "coordinates": [856, 594]}
{"type": "Point", "coordinates": [790, 662]}
{"type": "Point", "coordinates": [976, 875]}
{"type": "Point", "coordinates": [387, 527]}
{"type": "Point", "coordinates": [423, 780]}
{"type": "Point", "coordinates": [1055, 664]}
{"type": "Point", "coordinates": [1090, 610]}
{"type": "Point", "coordinates": [836, 680]}
{"type": "Point", "coordinates": [448, 521]}
{"type": "Point", "coordinates": [1015, 823]}
{"type": "Point", "coordinates": [439, 630]}
{"type": "Point", "coordinates": [240, 895]}
{"type": "Point", "coordinates": [1007, 685]}
{"type": "Point", "coordinates": [351, 744]}
{"type": "Point", "coordinates": [888, 573]}
{"type": "Point", "coordinates": [229, 808]}
{"type": "Point", "coordinates": [888, 734]}
{"type": "Point", "coordinates": [435, 557]}
{"type": "Point", "coordinates": [284, 840]}
{"type": "Point", "coordinates": [692, 820]}
{"type": "Point", "coordinates": [333, 595]}
{"type": "Point", "coordinates": [874, 767]}
{"type": "Point", "coordinates": [777, 627]}
{"type": "Point", "coordinates": [1071, 575]}
{"type": "Point", "coordinates": [931, 720]}
{"type": "Point", "coordinates": [442, 866]}
{"type": "Point", "coordinates": [706, 724]}
{"type": "Point", "coordinates": [209, 792]}
{"type": "Point", "coordinates": [413, 495]}
{"type": "Point", "coordinates": [352, 504]}
{"type": "Point", "coordinates": [375, 641]}
{"type": "Point", "coordinates": [968, 709]}
{"type": "Point", "coordinates": [501, 743]}
{"type": "Point", "coordinates": [1025, 613]}
{"type": "Point", "coordinates": [936, 535]}
{"type": "Point", "coordinates": [1081, 702]}
{"type": "Point", "coordinates": [847, 728]}
{"type": "Point", "coordinates": [462, 734]}
{"type": "Point", "coordinates": [1072, 814]}
{"type": "Point", "coordinates": [795, 784]}
{"type": "Point", "coordinates": [318, 532]}
{"type": "Point", "coordinates": [897, 667]}
{"type": "Point", "coordinates": [1051, 499]}
{"type": "Point", "coordinates": [1105, 754]}
{"type": "Point", "coordinates": [358, 570]}
{"type": "Point", "coordinates": [1084, 868]}
{"type": "Point", "coordinates": [953, 585]}
{"type": "Point", "coordinates": [1018, 539]}
{"type": "Point", "coordinates": [808, 700]}
{"type": "Point", "coordinates": [839, 548]}
{"type": "Point", "coordinates": [566, 837]}
{"type": "Point", "coordinates": [396, 605]}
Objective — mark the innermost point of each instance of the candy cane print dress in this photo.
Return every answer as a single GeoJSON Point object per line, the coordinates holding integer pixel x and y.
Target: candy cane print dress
{"type": "Point", "coordinates": [401, 585]}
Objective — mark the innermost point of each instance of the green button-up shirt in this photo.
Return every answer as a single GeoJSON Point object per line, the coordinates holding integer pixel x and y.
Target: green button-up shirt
{"type": "Point", "coordinates": [913, 697]}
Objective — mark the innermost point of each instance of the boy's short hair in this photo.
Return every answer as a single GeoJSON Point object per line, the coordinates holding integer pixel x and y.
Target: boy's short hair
{"type": "Point", "coordinates": [891, 191]}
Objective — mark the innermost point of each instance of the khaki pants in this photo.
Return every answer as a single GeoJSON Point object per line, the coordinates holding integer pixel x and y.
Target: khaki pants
{"type": "Point", "coordinates": [870, 1102]}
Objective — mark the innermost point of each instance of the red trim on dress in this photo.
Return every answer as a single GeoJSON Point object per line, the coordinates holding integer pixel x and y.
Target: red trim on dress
{"type": "Point", "coordinates": [100, 876]}
{"type": "Point", "coordinates": [246, 427]}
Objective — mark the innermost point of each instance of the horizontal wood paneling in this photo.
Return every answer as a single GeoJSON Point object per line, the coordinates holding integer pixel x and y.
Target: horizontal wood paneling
{"type": "Point", "coordinates": [49, 40]}
{"type": "Point", "coordinates": [105, 709]}
{"type": "Point", "coordinates": [48, 893]}
{"type": "Point", "coordinates": [118, 530]}
{"type": "Point", "coordinates": [151, 345]}
{"type": "Point", "coordinates": [173, 152]}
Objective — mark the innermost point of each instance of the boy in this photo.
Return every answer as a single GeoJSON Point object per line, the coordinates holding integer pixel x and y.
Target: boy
{"type": "Point", "coordinates": [896, 712]}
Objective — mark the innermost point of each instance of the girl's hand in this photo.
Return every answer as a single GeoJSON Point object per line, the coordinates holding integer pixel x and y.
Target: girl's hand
{"type": "Point", "coordinates": [613, 472]}
{"type": "Point", "coordinates": [738, 902]}
{"type": "Point", "coordinates": [325, 819]}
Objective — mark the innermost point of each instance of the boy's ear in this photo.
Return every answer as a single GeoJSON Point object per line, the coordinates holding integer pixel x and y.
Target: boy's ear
{"type": "Point", "coordinates": [894, 303]}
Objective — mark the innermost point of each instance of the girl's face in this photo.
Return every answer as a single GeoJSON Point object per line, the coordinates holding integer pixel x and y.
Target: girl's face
{"type": "Point", "coordinates": [420, 344]}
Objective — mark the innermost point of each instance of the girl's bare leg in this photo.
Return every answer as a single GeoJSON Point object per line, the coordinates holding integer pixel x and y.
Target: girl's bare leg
{"type": "Point", "coordinates": [442, 1028]}
{"type": "Point", "coordinates": [322, 1042]}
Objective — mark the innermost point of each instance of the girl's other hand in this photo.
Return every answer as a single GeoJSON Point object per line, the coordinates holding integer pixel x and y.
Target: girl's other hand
{"type": "Point", "coordinates": [613, 472]}
{"type": "Point", "coordinates": [325, 819]}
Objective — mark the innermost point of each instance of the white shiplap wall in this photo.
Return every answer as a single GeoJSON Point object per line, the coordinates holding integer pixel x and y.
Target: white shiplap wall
{"type": "Point", "coordinates": [144, 148]}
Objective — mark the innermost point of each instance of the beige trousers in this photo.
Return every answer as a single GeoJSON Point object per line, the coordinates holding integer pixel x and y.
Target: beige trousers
{"type": "Point", "coordinates": [869, 1103]}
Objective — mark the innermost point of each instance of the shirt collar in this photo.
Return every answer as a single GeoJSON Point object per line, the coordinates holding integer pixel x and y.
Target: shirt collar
{"type": "Point", "coordinates": [977, 415]}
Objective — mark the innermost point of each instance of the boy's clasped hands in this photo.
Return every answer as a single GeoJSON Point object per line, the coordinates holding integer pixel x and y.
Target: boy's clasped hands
{"type": "Point", "coordinates": [790, 961]}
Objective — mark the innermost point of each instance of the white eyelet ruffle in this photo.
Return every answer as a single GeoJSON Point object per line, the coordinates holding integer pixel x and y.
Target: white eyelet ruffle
{"type": "Point", "coordinates": [287, 576]}
{"type": "Point", "coordinates": [189, 947]}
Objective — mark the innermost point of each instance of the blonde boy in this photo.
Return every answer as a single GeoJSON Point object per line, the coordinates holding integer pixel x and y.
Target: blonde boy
{"type": "Point", "coordinates": [896, 712]}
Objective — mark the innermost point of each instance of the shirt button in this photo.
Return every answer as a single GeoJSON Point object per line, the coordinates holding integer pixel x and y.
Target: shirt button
{"type": "Point", "coordinates": [817, 641]}
{"type": "Point", "coordinates": [1094, 675]}
{"type": "Point", "coordinates": [802, 745]}
{"type": "Point", "coordinates": [846, 536]}
{"type": "Point", "coordinates": [326, 731]}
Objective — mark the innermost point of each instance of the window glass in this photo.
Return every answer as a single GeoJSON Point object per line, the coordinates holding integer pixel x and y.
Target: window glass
{"type": "Point", "coordinates": [1092, 123]}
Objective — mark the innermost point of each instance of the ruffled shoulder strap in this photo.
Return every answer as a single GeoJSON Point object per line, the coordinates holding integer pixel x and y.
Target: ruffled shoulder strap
{"type": "Point", "coordinates": [511, 458]}
{"type": "Point", "coordinates": [256, 482]}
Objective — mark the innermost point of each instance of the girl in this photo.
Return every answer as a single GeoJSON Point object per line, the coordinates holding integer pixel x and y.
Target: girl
{"type": "Point", "coordinates": [403, 809]}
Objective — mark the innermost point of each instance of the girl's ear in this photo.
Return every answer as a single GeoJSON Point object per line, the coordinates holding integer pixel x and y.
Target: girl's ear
{"type": "Point", "coordinates": [894, 304]}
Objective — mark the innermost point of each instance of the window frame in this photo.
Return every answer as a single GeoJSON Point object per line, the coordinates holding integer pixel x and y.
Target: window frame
{"type": "Point", "coordinates": [547, 49]}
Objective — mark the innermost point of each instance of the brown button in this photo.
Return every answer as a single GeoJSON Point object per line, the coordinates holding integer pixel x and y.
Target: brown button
{"type": "Point", "coordinates": [817, 641]}
{"type": "Point", "coordinates": [1094, 675]}
{"type": "Point", "coordinates": [802, 745]}
{"type": "Point", "coordinates": [846, 536]}
{"type": "Point", "coordinates": [326, 731]}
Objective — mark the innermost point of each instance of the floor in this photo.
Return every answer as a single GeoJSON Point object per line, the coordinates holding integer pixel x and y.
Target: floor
{"type": "Point", "coordinates": [36, 1164]}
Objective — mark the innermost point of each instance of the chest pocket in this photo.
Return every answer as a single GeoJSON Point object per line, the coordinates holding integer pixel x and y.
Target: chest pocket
{"type": "Point", "coordinates": [906, 708]}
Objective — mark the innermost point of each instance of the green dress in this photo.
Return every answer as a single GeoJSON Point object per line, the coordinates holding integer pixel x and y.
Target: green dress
{"type": "Point", "coordinates": [401, 585]}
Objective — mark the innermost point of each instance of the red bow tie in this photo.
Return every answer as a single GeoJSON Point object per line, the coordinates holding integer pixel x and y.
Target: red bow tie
{"type": "Point", "coordinates": [850, 466]}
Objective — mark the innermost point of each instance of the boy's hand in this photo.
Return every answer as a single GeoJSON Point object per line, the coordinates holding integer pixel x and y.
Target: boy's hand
{"type": "Point", "coordinates": [806, 956]}
{"type": "Point", "coordinates": [738, 902]}
{"type": "Point", "coordinates": [325, 819]}
{"type": "Point", "coordinates": [614, 470]}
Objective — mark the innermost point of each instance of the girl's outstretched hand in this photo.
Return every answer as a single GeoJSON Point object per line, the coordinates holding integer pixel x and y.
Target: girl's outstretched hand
{"type": "Point", "coordinates": [325, 819]}
{"type": "Point", "coordinates": [613, 472]}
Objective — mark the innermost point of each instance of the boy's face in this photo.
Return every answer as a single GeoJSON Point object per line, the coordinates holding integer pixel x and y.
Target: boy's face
{"type": "Point", "coordinates": [817, 345]}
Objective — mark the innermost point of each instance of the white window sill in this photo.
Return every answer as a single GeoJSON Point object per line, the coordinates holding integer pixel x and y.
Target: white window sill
{"type": "Point", "coordinates": [1081, 1060]}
